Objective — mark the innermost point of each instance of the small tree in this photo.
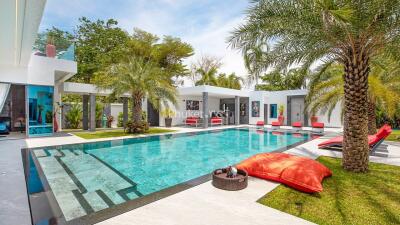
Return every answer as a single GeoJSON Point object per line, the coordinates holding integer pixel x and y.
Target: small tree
{"type": "Point", "coordinates": [141, 79]}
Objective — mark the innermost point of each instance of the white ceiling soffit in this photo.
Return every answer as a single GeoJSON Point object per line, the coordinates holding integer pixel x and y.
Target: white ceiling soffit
{"type": "Point", "coordinates": [19, 23]}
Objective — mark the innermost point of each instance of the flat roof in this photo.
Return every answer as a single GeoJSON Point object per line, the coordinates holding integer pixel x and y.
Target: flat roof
{"type": "Point", "coordinates": [212, 91]}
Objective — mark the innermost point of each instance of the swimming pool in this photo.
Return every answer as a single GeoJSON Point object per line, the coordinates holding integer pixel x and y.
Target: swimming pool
{"type": "Point", "coordinates": [81, 180]}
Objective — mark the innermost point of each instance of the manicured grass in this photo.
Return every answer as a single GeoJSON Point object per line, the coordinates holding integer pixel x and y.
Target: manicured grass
{"type": "Point", "coordinates": [348, 198]}
{"type": "Point", "coordinates": [117, 133]}
{"type": "Point", "coordinates": [394, 136]}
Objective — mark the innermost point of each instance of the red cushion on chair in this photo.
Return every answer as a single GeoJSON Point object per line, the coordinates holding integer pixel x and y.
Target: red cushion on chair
{"type": "Point", "coordinates": [300, 173]}
{"type": "Point", "coordinates": [216, 120]}
{"type": "Point", "coordinates": [318, 125]}
{"type": "Point", "coordinates": [260, 123]}
{"type": "Point", "coordinates": [275, 123]}
{"type": "Point", "coordinates": [297, 124]}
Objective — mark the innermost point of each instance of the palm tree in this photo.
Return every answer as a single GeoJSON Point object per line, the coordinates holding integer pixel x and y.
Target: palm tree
{"type": "Point", "coordinates": [286, 80]}
{"type": "Point", "coordinates": [349, 32]}
{"type": "Point", "coordinates": [208, 77]}
{"type": "Point", "coordinates": [253, 63]}
{"type": "Point", "coordinates": [326, 90]}
{"type": "Point", "coordinates": [230, 81]}
{"type": "Point", "coordinates": [140, 78]}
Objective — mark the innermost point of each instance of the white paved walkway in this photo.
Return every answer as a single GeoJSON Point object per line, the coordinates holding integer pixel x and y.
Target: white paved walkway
{"type": "Point", "coordinates": [202, 204]}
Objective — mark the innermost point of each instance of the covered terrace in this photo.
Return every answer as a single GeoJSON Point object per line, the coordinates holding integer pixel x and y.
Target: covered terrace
{"type": "Point", "coordinates": [207, 101]}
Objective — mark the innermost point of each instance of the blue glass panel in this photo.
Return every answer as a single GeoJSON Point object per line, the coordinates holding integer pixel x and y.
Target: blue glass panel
{"type": "Point", "coordinates": [69, 54]}
{"type": "Point", "coordinates": [273, 111]}
{"type": "Point", "coordinates": [40, 110]}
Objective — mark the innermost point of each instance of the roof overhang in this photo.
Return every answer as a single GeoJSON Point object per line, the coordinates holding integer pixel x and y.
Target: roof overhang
{"type": "Point", "coordinates": [19, 23]}
{"type": "Point", "coordinates": [86, 89]}
{"type": "Point", "coordinates": [212, 91]}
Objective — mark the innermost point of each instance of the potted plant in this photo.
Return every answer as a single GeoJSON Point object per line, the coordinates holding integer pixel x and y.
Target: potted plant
{"type": "Point", "coordinates": [281, 118]}
{"type": "Point", "coordinates": [168, 113]}
{"type": "Point", "coordinates": [281, 109]}
{"type": "Point", "coordinates": [50, 47]}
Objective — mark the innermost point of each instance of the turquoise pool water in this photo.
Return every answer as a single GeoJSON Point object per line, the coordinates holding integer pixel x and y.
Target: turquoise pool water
{"type": "Point", "coordinates": [87, 178]}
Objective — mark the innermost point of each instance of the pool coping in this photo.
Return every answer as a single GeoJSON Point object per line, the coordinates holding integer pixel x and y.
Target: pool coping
{"type": "Point", "coordinates": [104, 214]}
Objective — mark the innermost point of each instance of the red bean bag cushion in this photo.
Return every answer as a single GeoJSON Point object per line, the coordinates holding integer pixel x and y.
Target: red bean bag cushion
{"type": "Point", "coordinates": [300, 173]}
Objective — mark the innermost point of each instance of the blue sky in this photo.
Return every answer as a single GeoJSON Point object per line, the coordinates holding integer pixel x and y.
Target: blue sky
{"type": "Point", "coordinates": [203, 23]}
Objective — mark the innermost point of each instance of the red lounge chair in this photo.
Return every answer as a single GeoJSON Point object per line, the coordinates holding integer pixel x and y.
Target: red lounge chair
{"type": "Point", "coordinates": [216, 121]}
{"type": "Point", "coordinates": [260, 124]}
{"type": "Point", "coordinates": [373, 140]}
{"type": "Point", "coordinates": [278, 123]}
{"type": "Point", "coordinates": [192, 121]}
{"type": "Point", "coordinates": [297, 125]}
{"type": "Point", "coordinates": [318, 127]}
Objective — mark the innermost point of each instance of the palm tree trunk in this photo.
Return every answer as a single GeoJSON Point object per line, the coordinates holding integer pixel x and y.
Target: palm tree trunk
{"type": "Point", "coordinates": [355, 141]}
{"type": "Point", "coordinates": [136, 107]}
{"type": "Point", "coordinates": [371, 118]}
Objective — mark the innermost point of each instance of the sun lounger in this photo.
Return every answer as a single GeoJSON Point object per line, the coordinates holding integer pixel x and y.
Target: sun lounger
{"type": "Point", "coordinates": [260, 124]}
{"type": "Point", "coordinates": [216, 121]}
{"type": "Point", "coordinates": [192, 121]}
{"type": "Point", "coordinates": [373, 140]}
{"type": "Point", "coordinates": [297, 125]}
{"type": "Point", "coordinates": [317, 127]}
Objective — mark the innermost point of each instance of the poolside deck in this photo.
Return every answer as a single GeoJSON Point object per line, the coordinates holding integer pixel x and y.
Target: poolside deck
{"type": "Point", "coordinates": [202, 204]}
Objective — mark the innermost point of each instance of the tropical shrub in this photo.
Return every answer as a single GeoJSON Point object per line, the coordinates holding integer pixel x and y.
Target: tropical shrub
{"type": "Point", "coordinates": [167, 113]}
{"type": "Point", "coordinates": [74, 116]}
{"type": "Point", "coordinates": [137, 127]}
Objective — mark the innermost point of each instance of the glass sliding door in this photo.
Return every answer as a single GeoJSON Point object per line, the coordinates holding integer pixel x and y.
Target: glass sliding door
{"type": "Point", "coordinates": [40, 110]}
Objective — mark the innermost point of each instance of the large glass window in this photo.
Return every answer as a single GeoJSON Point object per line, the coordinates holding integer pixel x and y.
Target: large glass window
{"type": "Point", "coordinates": [40, 108]}
{"type": "Point", "coordinates": [273, 111]}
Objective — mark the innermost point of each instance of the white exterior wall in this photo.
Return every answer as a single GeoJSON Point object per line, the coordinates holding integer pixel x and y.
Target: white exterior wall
{"type": "Point", "coordinates": [336, 118]}
{"type": "Point", "coordinates": [116, 108]}
{"type": "Point", "coordinates": [40, 71]}
{"type": "Point", "coordinates": [256, 96]}
{"type": "Point", "coordinates": [280, 98]}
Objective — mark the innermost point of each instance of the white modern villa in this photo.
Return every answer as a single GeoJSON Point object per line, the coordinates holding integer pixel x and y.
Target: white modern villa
{"type": "Point", "coordinates": [31, 86]}
{"type": "Point", "coordinates": [227, 150]}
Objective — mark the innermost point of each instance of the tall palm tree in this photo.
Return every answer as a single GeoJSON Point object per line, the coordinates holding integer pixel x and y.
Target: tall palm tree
{"type": "Point", "coordinates": [208, 77]}
{"type": "Point", "coordinates": [230, 81]}
{"type": "Point", "coordinates": [326, 90]}
{"type": "Point", "coordinates": [140, 78]}
{"type": "Point", "coordinates": [349, 32]}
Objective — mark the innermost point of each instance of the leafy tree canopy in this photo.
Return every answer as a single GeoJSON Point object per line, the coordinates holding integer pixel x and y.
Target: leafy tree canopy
{"type": "Point", "coordinates": [229, 81]}
{"type": "Point", "coordinates": [286, 80]}
{"type": "Point", "coordinates": [98, 44]}
{"type": "Point", "coordinates": [167, 54]}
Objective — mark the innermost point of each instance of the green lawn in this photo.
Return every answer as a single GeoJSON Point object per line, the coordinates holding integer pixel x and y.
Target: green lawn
{"type": "Point", "coordinates": [394, 136]}
{"type": "Point", "coordinates": [117, 133]}
{"type": "Point", "coordinates": [348, 198]}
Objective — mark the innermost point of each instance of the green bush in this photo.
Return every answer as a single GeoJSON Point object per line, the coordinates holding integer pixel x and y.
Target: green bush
{"type": "Point", "coordinates": [120, 118]}
{"type": "Point", "coordinates": [137, 128]}
{"type": "Point", "coordinates": [74, 116]}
